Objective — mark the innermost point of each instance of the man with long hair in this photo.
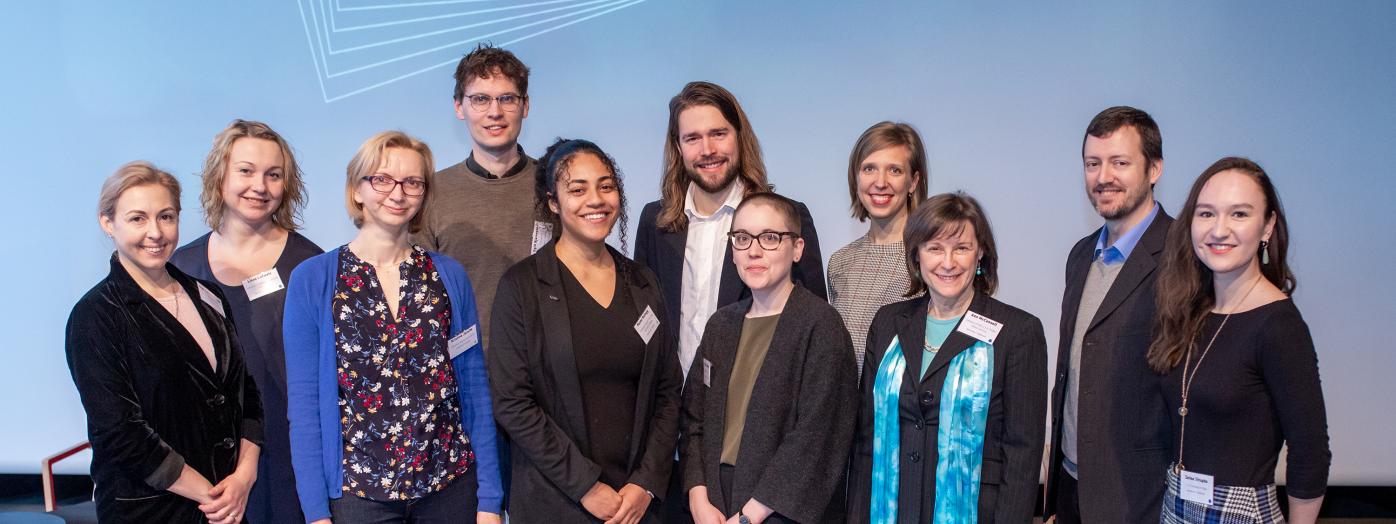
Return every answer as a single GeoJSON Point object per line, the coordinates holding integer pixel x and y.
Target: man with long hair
{"type": "Point", "coordinates": [712, 161]}
{"type": "Point", "coordinates": [1110, 431]}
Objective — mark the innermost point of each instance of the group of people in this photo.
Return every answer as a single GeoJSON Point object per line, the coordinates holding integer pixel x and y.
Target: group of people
{"type": "Point", "coordinates": [479, 348]}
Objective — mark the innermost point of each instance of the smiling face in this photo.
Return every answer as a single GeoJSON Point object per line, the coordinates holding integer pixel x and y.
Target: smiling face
{"type": "Point", "coordinates": [709, 147]}
{"type": "Point", "coordinates": [1229, 222]}
{"type": "Point", "coordinates": [948, 262]}
{"type": "Point", "coordinates": [761, 269]}
{"type": "Point", "coordinates": [586, 199]}
{"type": "Point", "coordinates": [493, 129]}
{"type": "Point", "coordinates": [885, 181]}
{"type": "Point", "coordinates": [1119, 182]}
{"type": "Point", "coordinates": [394, 210]}
{"type": "Point", "coordinates": [144, 227]}
{"type": "Point", "coordinates": [254, 183]}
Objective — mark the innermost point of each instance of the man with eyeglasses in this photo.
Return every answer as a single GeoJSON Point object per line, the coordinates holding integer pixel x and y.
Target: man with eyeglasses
{"type": "Point", "coordinates": [712, 161]}
{"type": "Point", "coordinates": [483, 217]}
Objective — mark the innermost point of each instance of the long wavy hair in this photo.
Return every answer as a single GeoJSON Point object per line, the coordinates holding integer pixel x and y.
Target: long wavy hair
{"type": "Point", "coordinates": [293, 197]}
{"type": "Point", "coordinates": [750, 166]}
{"type": "Point", "coordinates": [1185, 289]}
{"type": "Point", "coordinates": [552, 168]}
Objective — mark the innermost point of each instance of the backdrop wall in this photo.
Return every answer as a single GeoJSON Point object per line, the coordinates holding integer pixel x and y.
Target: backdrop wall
{"type": "Point", "coordinates": [1001, 95]}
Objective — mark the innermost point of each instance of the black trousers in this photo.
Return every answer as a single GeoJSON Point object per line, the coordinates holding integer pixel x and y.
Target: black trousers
{"type": "Point", "coordinates": [456, 502]}
{"type": "Point", "coordinates": [1068, 498]}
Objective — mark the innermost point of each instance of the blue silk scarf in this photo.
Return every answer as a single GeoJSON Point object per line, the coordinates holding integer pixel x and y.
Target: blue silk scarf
{"type": "Point", "coordinates": [964, 411]}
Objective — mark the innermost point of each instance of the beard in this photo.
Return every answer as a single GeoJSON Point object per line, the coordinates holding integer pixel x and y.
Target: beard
{"type": "Point", "coordinates": [1130, 201]}
{"type": "Point", "coordinates": [713, 186]}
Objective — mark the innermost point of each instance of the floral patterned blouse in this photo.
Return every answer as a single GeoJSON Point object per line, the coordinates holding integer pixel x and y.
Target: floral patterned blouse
{"type": "Point", "coordinates": [402, 430]}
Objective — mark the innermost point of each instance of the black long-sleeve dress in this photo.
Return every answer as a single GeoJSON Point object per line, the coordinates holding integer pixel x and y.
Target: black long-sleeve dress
{"type": "Point", "coordinates": [153, 402]}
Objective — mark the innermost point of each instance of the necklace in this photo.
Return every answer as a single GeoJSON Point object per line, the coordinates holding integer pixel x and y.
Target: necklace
{"type": "Point", "coordinates": [1188, 378]}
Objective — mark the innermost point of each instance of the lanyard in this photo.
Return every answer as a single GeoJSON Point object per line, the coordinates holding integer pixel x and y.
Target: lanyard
{"type": "Point", "coordinates": [1188, 377]}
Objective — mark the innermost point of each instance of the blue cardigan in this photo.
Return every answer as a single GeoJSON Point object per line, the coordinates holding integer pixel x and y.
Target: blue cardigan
{"type": "Point", "coordinates": [317, 441]}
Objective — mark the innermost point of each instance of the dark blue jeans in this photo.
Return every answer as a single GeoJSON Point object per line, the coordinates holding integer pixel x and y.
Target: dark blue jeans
{"type": "Point", "coordinates": [454, 503]}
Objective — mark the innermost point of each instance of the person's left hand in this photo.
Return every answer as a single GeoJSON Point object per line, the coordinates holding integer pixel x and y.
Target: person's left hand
{"type": "Point", "coordinates": [229, 499]}
{"type": "Point", "coordinates": [634, 501]}
{"type": "Point", "coordinates": [485, 517]}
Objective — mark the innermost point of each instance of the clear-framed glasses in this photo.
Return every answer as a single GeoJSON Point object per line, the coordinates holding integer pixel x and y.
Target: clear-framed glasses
{"type": "Point", "coordinates": [385, 184]}
{"type": "Point", "coordinates": [769, 240]}
{"type": "Point", "coordinates": [507, 101]}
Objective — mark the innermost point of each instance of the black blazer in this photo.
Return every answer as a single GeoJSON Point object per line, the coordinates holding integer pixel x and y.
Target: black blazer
{"type": "Point", "coordinates": [1124, 429]}
{"type": "Point", "coordinates": [153, 403]}
{"type": "Point", "coordinates": [1013, 433]}
{"type": "Point", "coordinates": [538, 399]}
{"type": "Point", "coordinates": [800, 419]}
{"type": "Point", "coordinates": [663, 252]}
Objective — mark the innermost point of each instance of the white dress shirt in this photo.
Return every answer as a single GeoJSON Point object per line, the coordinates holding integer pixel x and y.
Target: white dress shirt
{"type": "Point", "coordinates": [702, 268]}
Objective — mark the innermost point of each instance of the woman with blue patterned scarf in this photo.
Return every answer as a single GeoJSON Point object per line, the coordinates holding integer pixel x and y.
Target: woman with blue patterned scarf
{"type": "Point", "coordinates": [954, 387]}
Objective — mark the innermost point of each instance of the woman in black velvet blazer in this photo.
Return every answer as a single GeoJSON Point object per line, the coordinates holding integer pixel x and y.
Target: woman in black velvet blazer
{"type": "Point", "coordinates": [174, 438]}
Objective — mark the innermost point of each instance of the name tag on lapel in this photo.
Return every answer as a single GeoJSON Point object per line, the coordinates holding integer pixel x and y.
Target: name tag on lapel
{"type": "Point", "coordinates": [980, 327]}
{"type": "Point", "coordinates": [263, 284]}
{"type": "Point", "coordinates": [211, 299]}
{"type": "Point", "coordinates": [647, 324]}
{"type": "Point", "coordinates": [707, 373]}
{"type": "Point", "coordinates": [463, 341]}
{"type": "Point", "coordinates": [542, 234]}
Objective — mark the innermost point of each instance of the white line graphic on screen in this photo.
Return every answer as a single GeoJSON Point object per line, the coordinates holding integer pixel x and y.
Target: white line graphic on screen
{"type": "Point", "coordinates": [358, 46]}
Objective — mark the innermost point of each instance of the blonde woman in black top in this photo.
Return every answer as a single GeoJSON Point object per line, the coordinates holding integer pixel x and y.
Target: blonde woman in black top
{"type": "Point", "coordinates": [1242, 374]}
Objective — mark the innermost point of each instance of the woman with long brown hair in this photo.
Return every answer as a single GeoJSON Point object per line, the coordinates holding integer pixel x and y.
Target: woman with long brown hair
{"type": "Point", "coordinates": [1241, 371]}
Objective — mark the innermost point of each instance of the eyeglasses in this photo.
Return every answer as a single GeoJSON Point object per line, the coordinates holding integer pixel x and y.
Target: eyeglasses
{"type": "Point", "coordinates": [769, 240]}
{"type": "Point", "coordinates": [507, 102]}
{"type": "Point", "coordinates": [385, 184]}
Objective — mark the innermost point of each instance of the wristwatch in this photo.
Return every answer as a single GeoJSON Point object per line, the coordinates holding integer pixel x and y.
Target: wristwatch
{"type": "Point", "coordinates": [742, 518]}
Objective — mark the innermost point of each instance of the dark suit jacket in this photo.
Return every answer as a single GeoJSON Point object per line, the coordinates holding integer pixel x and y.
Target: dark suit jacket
{"type": "Point", "coordinates": [662, 252]}
{"type": "Point", "coordinates": [800, 419]}
{"type": "Point", "coordinates": [1013, 432]}
{"type": "Point", "coordinates": [1123, 432]}
{"type": "Point", "coordinates": [538, 399]}
{"type": "Point", "coordinates": [153, 403]}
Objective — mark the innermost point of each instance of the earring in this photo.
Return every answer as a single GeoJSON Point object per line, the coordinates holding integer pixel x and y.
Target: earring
{"type": "Point", "coordinates": [1264, 252]}
{"type": "Point", "coordinates": [978, 270]}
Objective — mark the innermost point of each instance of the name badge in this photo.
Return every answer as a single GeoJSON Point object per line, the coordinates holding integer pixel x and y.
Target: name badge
{"type": "Point", "coordinates": [463, 341]}
{"type": "Point", "coordinates": [707, 373]}
{"type": "Point", "coordinates": [1195, 487]}
{"type": "Point", "coordinates": [211, 299]}
{"type": "Point", "coordinates": [542, 234]}
{"type": "Point", "coordinates": [263, 284]}
{"type": "Point", "coordinates": [980, 327]}
{"type": "Point", "coordinates": [647, 324]}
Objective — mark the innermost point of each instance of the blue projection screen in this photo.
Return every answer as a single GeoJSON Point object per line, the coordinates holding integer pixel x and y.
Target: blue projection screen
{"type": "Point", "coordinates": [1001, 93]}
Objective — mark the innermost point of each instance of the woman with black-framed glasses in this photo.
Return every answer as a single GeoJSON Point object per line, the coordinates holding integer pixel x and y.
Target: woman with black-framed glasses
{"type": "Point", "coordinates": [770, 399]}
{"type": "Point", "coordinates": [390, 411]}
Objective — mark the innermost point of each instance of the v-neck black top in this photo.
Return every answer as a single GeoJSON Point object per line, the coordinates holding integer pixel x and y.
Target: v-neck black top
{"type": "Point", "coordinates": [610, 355]}
{"type": "Point", "coordinates": [1257, 389]}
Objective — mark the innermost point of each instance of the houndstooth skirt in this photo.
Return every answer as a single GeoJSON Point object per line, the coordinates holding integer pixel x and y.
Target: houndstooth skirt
{"type": "Point", "coordinates": [1230, 505]}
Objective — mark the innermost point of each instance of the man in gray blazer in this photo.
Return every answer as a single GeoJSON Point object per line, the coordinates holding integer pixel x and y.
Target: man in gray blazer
{"type": "Point", "coordinates": [1110, 428]}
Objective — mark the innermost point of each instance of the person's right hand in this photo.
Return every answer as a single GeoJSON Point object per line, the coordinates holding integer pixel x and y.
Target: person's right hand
{"type": "Point", "coordinates": [601, 501]}
{"type": "Point", "coordinates": [704, 512]}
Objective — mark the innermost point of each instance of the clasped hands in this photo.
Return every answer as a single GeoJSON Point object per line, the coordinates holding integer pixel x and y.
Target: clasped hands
{"type": "Point", "coordinates": [617, 507]}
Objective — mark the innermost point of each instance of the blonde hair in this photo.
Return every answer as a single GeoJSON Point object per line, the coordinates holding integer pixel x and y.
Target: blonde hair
{"type": "Point", "coordinates": [293, 198]}
{"type": "Point", "coordinates": [133, 174]}
{"type": "Point", "coordinates": [370, 157]}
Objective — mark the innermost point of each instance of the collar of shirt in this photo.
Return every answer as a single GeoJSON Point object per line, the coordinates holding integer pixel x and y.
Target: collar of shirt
{"type": "Point", "coordinates": [1123, 246]}
{"type": "Point", "coordinates": [735, 192]}
{"type": "Point", "coordinates": [476, 168]}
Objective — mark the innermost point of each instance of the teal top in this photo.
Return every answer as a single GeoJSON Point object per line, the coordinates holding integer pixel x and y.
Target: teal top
{"type": "Point", "coordinates": [937, 331]}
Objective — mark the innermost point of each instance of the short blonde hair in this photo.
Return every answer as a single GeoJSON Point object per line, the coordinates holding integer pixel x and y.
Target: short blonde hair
{"type": "Point", "coordinates": [293, 198]}
{"type": "Point", "coordinates": [370, 157]}
{"type": "Point", "coordinates": [133, 174]}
